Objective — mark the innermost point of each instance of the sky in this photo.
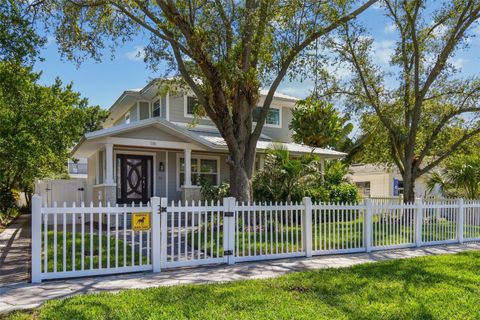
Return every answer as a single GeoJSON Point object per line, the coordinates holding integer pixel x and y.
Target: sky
{"type": "Point", "coordinates": [103, 82]}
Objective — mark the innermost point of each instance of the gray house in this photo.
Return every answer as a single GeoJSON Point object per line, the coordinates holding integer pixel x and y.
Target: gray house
{"type": "Point", "coordinates": [148, 147]}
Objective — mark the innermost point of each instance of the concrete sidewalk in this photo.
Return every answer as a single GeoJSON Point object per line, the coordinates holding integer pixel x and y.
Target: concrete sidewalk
{"type": "Point", "coordinates": [15, 250]}
{"type": "Point", "coordinates": [26, 296]}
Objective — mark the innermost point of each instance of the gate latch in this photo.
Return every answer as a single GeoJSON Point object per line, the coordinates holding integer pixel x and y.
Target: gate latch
{"type": "Point", "coordinates": [228, 214]}
{"type": "Point", "coordinates": [228, 252]}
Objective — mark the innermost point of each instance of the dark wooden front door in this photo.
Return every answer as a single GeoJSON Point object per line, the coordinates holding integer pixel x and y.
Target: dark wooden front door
{"type": "Point", "coordinates": [134, 178]}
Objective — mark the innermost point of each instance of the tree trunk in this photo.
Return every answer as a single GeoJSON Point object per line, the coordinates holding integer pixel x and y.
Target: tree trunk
{"type": "Point", "coordinates": [240, 183]}
{"type": "Point", "coordinates": [408, 186]}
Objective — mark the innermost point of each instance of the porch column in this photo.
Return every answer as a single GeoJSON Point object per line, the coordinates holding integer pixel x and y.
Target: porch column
{"type": "Point", "coordinates": [109, 164]}
{"type": "Point", "coordinates": [188, 168]}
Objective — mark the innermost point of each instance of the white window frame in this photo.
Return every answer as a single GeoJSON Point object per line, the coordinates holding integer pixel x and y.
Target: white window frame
{"type": "Point", "coordinates": [198, 157]}
{"type": "Point", "coordinates": [185, 107]}
{"type": "Point", "coordinates": [149, 109]}
{"type": "Point", "coordinates": [279, 126]}
{"type": "Point", "coordinates": [159, 98]}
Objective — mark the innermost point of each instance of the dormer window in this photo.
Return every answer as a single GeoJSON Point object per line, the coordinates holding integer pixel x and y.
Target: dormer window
{"type": "Point", "coordinates": [127, 117]}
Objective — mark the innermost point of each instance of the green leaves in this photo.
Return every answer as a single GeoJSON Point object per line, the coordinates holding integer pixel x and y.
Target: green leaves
{"type": "Point", "coordinates": [317, 123]}
{"type": "Point", "coordinates": [288, 178]}
{"type": "Point", "coordinates": [38, 125]}
{"type": "Point", "coordinates": [18, 40]}
{"type": "Point", "coordinates": [459, 178]}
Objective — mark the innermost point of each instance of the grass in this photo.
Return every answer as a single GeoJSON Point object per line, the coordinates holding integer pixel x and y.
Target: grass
{"type": "Point", "coordinates": [326, 236]}
{"type": "Point", "coordinates": [95, 246]}
{"type": "Point", "coordinates": [435, 287]}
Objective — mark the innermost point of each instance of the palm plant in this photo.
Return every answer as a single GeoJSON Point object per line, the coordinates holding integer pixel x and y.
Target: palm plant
{"type": "Point", "coordinates": [459, 178]}
{"type": "Point", "coordinates": [284, 177]}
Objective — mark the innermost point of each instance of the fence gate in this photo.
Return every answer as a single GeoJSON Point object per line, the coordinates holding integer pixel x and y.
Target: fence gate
{"type": "Point", "coordinates": [61, 190]}
{"type": "Point", "coordinates": [195, 233]}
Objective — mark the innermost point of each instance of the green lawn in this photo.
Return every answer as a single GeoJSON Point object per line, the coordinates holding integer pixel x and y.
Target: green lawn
{"type": "Point", "coordinates": [95, 250]}
{"type": "Point", "coordinates": [326, 236]}
{"type": "Point", "coordinates": [436, 287]}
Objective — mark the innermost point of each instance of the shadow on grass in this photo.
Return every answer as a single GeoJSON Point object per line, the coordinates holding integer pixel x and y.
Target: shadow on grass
{"type": "Point", "coordinates": [436, 287]}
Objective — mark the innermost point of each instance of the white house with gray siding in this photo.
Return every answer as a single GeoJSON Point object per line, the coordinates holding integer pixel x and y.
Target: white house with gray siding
{"type": "Point", "coordinates": [148, 147]}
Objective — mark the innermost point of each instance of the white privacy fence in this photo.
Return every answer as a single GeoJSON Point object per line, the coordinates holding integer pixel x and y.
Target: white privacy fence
{"type": "Point", "coordinates": [95, 240]}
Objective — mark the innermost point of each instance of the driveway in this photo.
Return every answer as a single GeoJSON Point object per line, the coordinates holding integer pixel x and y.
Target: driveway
{"type": "Point", "coordinates": [15, 252]}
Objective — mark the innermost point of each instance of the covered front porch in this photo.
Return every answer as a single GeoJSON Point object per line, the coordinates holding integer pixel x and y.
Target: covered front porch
{"type": "Point", "coordinates": [132, 173]}
{"type": "Point", "coordinates": [130, 163]}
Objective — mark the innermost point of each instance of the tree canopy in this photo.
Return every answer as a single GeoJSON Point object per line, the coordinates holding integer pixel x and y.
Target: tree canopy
{"type": "Point", "coordinates": [421, 103]}
{"type": "Point", "coordinates": [39, 124]}
{"type": "Point", "coordinates": [225, 52]}
{"type": "Point", "coordinates": [18, 40]}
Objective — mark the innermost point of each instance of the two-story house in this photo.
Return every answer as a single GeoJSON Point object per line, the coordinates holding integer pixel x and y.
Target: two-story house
{"type": "Point", "coordinates": [148, 147]}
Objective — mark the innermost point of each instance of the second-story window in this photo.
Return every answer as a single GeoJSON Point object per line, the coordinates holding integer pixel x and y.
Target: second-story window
{"type": "Point", "coordinates": [159, 108]}
{"type": "Point", "coordinates": [127, 117]}
{"type": "Point", "coordinates": [273, 117]}
{"type": "Point", "coordinates": [192, 105]}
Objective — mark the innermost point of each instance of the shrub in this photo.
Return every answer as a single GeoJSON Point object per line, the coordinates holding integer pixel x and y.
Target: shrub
{"type": "Point", "coordinates": [344, 193]}
{"type": "Point", "coordinates": [290, 179]}
{"type": "Point", "coordinates": [210, 192]}
{"type": "Point", "coordinates": [8, 197]}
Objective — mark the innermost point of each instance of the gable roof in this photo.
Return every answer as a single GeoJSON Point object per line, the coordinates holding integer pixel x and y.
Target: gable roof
{"type": "Point", "coordinates": [204, 139]}
{"type": "Point", "coordinates": [149, 92]}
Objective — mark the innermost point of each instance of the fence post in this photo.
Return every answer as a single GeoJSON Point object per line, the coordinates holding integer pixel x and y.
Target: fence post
{"type": "Point", "coordinates": [163, 230]}
{"type": "Point", "coordinates": [156, 245]}
{"type": "Point", "coordinates": [307, 227]}
{"type": "Point", "coordinates": [460, 219]}
{"type": "Point", "coordinates": [229, 214]}
{"type": "Point", "coordinates": [36, 239]}
{"type": "Point", "coordinates": [418, 221]}
{"type": "Point", "coordinates": [368, 224]}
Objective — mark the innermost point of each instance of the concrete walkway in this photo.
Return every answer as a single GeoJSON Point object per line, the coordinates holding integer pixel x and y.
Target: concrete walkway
{"type": "Point", "coordinates": [26, 296]}
{"type": "Point", "coordinates": [15, 252]}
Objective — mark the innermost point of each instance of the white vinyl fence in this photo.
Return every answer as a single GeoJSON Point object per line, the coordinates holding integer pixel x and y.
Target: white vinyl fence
{"type": "Point", "coordinates": [91, 240]}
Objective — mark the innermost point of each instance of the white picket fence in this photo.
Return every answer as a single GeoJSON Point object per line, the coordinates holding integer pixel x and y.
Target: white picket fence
{"type": "Point", "coordinates": [92, 240]}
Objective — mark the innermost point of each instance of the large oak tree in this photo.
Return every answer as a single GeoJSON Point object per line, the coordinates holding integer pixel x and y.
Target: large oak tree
{"type": "Point", "coordinates": [421, 103]}
{"type": "Point", "coordinates": [225, 51]}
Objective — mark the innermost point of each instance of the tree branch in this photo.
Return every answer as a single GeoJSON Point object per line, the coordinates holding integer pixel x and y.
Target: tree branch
{"type": "Point", "coordinates": [447, 153]}
{"type": "Point", "coordinates": [293, 54]}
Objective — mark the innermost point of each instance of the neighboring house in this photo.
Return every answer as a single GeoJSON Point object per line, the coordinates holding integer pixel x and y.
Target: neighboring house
{"type": "Point", "coordinates": [148, 147]}
{"type": "Point", "coordinates": [382, 181]}
{"type": "Point", "coordinates": [77, 169]}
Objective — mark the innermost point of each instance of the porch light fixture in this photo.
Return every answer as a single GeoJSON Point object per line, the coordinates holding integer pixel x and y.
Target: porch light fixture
{"type": "Point", "coordinates": [161, 167]}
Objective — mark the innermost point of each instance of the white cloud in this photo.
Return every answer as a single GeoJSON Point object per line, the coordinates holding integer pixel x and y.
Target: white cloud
{"type": "Point", "coordinates": [458, 63]}
{"type": "Point", "coordinates": [377, 6]}
{"type": "Point", "coordinates": [50, 40]}
{"type": "Point", "coordinates": [391, 28]}
{"type": "Point", "coordinates": [137, 54]}
{"type": "Point", "coordinates": [440, 31]}
{"type": "Point", "coordinates": [383, 50]}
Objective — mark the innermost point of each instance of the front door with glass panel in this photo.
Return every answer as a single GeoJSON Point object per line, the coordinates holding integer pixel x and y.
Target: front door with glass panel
{"type": "Point", "coordinates": [134, 178]}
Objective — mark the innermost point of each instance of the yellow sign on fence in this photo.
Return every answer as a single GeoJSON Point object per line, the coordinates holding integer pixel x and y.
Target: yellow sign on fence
{"type": "Point", "coordinates": [141, 221]}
